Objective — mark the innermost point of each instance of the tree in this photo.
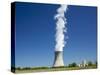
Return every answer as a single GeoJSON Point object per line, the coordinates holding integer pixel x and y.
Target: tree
{"type": "Point", "coordinates": [18, 68]}
{"type": "Point", "coordinates": [26, 68]}
{"type": "Point", "coordinates": [90, 63]}
{"type": "Point", "coordinates": [72, 64]}
{"type": "Point", "coordinates": [96, 63]}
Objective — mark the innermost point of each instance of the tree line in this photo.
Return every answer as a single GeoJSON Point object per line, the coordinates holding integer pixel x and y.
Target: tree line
{"type": "Point", "coordinates": [74, 64]}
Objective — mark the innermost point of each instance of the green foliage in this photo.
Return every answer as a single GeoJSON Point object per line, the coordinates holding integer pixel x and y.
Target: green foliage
{"type": "Point", "coordinates": [26, 68]}
{"type": "Point", "coordinates": [96, 63]}
{"type": "Point", "coordinates": [90, 63]}
{"type": "Point", "coordinates": [72, 65]}
{"type": "Point", "coordinates": [40, 68]}
{"type": "Point", "coordinates": [31, 68]}
{"type": "Point", "coordinates": [60, 67]}
{"type": "Point", "coordinates": [18, 68]}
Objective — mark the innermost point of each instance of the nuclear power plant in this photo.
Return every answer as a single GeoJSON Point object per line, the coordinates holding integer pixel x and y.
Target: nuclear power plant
{"type": "Point", "coordinates": [60, 30]}
{"type": "Point", "coordinates": [58, 60]}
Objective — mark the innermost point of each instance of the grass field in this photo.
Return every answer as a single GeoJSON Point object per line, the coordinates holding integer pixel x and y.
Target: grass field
{"type": "Point", "coordinates": [48, 69]}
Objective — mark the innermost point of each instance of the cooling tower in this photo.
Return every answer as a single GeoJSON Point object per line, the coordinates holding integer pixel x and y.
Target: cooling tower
{"type": "Point", "coordinates": [58, 60]}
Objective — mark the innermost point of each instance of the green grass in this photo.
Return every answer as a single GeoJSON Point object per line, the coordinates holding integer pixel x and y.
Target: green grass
{"type": "Point", "coordinates": [47, 69]}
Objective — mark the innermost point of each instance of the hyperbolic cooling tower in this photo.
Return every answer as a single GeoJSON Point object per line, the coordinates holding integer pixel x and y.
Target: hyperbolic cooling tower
{"type": "Point", "coordinates": [58, 60]}
{"type": "Point", "coordinates": [60, 30]}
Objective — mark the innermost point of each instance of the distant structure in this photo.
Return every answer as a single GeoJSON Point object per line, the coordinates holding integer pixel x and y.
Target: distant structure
{"type": "Point", "coordinates": [83, 64]}
{"type": "Point", "coordinates": [58, 60]}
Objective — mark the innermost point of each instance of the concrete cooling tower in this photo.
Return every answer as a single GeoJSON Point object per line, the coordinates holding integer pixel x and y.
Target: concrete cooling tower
{"type": "Point", "coordinates": [58, 60]}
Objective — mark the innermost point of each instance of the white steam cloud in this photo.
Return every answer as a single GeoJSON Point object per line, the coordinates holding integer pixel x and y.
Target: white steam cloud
{"type": "Point", "coordinates": [60, 27]}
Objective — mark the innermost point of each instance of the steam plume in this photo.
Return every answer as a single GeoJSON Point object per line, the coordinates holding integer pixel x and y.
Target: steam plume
{"type": "Point", "coordinates": [60, 27]}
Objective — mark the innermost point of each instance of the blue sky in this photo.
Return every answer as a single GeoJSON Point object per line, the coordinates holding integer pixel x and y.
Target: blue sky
{"type": "Point", "coordinates": [35, 34]}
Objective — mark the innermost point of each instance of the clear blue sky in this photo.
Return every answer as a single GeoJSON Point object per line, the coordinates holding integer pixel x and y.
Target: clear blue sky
{"type": "Point", "coordinates": [35, 34]}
